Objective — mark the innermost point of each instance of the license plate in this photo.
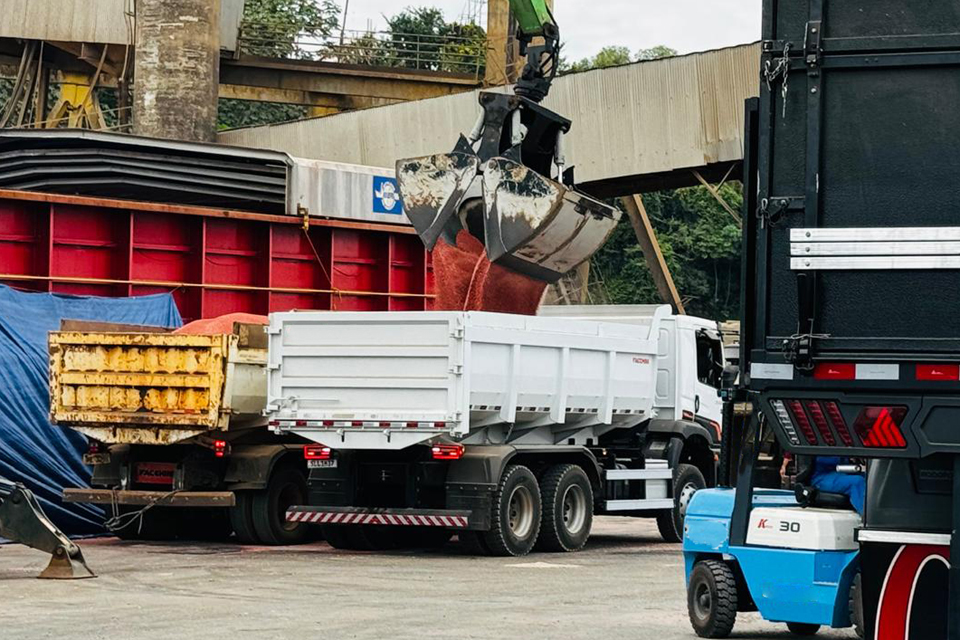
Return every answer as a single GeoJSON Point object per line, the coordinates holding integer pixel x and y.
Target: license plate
{"type": "Point", "coordinates": [321, 464]}
{"type": "Point", "coordinates": [155, 472]}
{"type": "Point", "coordinates": [93, 459]}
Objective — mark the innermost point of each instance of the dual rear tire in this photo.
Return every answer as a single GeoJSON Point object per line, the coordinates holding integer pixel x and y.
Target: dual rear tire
{"type": "Point", "coordinates": [552, 513]}
{"type": "Point", "coordinates": [260, 517]}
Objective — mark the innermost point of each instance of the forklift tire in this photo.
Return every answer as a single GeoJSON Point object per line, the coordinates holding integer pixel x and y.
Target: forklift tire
{"type": "Point", "coordinates": [346, 537]}
{"type": "Point", "coordinates": [241, 518]}
{"type": "Point", "coordinates": [515, 517]}
{"type": "Point", "coordinates": [687, 480]}
{"type": "Point", "coordinates": [286, 487]}
{"type": "Point", "coordinates": [856, 607]}
{"type": "Point", "coordinates": [712, 599]}
{"type": "Point", "coordinates": [803, 629]}
{"type": "Point", "coordinates": [567, 499]}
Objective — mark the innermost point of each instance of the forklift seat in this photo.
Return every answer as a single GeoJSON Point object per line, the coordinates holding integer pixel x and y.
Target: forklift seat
{"type": "Point", "coordinates": [808, 496]}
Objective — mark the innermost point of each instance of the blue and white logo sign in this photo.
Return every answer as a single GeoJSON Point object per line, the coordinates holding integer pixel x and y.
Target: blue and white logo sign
{"type": "Point", "coordinates": [386, 196]}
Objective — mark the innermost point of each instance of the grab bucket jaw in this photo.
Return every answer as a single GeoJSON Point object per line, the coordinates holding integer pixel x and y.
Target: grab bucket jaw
{"type": "Point", "coordinates": [432, 188]}
{"type": "Point", "coordinates": [537, 226]}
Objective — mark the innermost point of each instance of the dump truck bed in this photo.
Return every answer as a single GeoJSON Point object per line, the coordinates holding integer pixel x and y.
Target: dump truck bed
{"type": "Point", "coordinates": [391, 380]}
{"type": "Point", "coordinates": [155, 388]}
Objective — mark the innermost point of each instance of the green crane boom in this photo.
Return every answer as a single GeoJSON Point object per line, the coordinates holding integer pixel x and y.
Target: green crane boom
{"type": "Point", "coordinates": [532, 16]}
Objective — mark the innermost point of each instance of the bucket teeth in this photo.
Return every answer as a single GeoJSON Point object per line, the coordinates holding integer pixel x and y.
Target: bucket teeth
{"type": "Point", "coordinates": [537, 226]}
{"type": "Point", "coordinates": [432, 188]}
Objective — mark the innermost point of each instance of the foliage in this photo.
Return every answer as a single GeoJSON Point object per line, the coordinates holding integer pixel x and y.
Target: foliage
{"type": "Point", "coordinates": [243, 113]}
{"type": "Point", "coordinates": [272, 27]}
{"type": "Point", "coordinates": [700, 243]}
{"type": "Point", "coordinates": [421, 38]}
{"type": "Point", "coordinates": [615, 56]}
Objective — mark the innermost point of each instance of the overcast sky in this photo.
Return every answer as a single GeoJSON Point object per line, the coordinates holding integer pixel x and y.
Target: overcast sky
{"type": "Point", "coordinates": [589, 25]}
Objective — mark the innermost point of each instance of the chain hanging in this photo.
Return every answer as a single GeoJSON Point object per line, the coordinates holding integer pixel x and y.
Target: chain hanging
{"type": "Point", "coordinates": [780, 70]}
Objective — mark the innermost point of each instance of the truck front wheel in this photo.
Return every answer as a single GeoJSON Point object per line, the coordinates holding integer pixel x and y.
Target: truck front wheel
{"type": "Point", "coordinates": [687, 480]}
{"type": "Point", "coordinates": [567, 508]}
{"type": "Point", "coordinates": [515, 522]}
{"type": "Point", "coordinates": [286, 487]}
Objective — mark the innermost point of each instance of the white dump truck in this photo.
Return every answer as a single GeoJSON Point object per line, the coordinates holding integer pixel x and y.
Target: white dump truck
{"type": "Point", "coordinates": [511, 431]}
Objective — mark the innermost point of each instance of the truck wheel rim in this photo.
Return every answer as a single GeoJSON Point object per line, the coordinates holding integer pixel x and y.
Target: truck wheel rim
{"type": "Point", "coordinates": [574, 509]}
{"type": "Point", "coordinates": [702, 601]}
{"type": "Point", "coordinates": [520, 512]}
{"type": "Point", "coordinates": [686, 494]}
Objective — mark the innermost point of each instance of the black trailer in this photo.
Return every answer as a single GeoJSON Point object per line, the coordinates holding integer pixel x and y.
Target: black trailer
{"type": "Point", "coordinates": [851, 323]}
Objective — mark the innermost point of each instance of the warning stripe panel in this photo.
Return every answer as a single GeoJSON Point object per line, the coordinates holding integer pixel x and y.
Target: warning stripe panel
{"type": "Point", "coordinates": [330, 517]}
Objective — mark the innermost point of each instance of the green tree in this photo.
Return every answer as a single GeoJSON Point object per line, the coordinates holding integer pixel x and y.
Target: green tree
{"type": "Point", "coordinates": [614, 56]}
{"type": "Point", "coordinates": [421, 38]}
{"type": "Point", "coordinates": [273, 28]}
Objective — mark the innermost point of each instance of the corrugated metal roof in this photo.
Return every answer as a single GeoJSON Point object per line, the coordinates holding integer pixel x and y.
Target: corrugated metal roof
{"type": "Point", "coordinates": [92, 21]}
{"type": "Point", "coordinates": [638, 119]}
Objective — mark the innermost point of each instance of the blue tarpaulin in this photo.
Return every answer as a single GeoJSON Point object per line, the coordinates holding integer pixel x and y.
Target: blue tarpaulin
{"type": "Point", "coordinates": [45, 457]}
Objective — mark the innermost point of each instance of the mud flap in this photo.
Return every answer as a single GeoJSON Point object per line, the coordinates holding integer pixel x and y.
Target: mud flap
{"type": "Point", "coordinates": [432, 188]}
{"type": "Point", "coordinates": [537, 226]}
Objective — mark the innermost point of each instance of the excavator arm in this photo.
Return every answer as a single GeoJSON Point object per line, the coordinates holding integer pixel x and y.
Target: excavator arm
{"type": "Point", "coordinates": [23, 520]}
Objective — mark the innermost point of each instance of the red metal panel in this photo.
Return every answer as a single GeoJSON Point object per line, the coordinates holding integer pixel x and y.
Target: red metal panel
{"type": "Point", "coordinates": [213, 263]}
{"type": "Point", "coordinates": [21, 232]}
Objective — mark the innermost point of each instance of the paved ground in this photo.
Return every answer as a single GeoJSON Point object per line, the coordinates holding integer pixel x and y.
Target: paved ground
{"type": "Point", "coordinates": [626, 584]}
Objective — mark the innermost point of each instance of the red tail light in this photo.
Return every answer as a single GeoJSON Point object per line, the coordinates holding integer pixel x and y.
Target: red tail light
{"type": "Point", "coordinates": [937, 372]}
{"type": "Point", "coordinates": [879, 427]}
{"type": "Point", "coordinates": [800, 417]}
{"type": "Point", "coordinates": [95, 447]}
{"type": "Point", "coordinates": [447, 451]}
{"type": "Point", "coordinates": [835, 371]}
{"type": "Point", "coordinates": [356, 423]}
{"type": "Point", "coordinates": [220, 448]}
{"type": "Point", "coordinates": [317, 452]}
{"type": "Point", "coordinates": [301, 423]}
{"type": "Point", "coordinates": [328, 423]}
{"type": "Point", "coordinates": [820, 420]}
{"type": "Point", "coordinates": [836, 417]}
{"type": "Point", "coordinates": [273, 423]}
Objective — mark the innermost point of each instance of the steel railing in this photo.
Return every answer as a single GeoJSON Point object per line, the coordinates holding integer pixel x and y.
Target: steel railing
{"type": "Point", "coordinates": [450, 54]}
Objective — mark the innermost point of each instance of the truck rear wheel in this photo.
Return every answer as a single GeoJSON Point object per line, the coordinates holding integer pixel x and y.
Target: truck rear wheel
{"type": "Point", "coordinates": [241, 518]}
{"type": "Point", "coordinates": [712, 599]}
{"type": "Point", "coordinates": [286, 487]}
{"type": "Point", "coordinates": [687, 480]}
{"type": "Point", "coordinates": [567, 508]}
{"type": "Point", "coordinates": [515, 521]}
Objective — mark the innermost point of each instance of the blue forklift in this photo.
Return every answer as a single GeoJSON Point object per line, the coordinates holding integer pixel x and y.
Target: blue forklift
{"type": "Point", "coordinates": [749, 545]}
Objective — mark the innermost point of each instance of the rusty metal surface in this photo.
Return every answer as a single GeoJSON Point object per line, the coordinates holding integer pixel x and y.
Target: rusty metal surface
{"type": "Point", "coordinates": [636, 120]}
{"type": "Point", "coordinates": [432, 188]}
{"type": "Point", "coordinates": [138, 378]}
{"type": "Point", "coordinates": [131, 433]}
{"type": "Point", "coordinates": [162, 498]}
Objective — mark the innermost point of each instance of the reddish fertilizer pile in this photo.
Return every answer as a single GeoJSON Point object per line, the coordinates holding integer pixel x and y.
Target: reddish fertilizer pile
{"type": "Point", "coordinates": [467, 281]}
{"type": "Point", "coordinates": [220, 324]}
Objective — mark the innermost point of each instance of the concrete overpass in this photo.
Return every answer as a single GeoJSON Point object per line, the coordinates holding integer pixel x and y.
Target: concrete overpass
{"type": "Point", "coordinates": [640, 127]}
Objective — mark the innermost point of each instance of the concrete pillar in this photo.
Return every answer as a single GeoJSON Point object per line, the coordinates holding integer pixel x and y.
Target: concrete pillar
{"type": "Point", "coordinates": [177, 69]}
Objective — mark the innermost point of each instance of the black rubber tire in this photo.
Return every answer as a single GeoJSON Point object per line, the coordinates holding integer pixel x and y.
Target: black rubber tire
{"type": "Point", "coordinates": [347, 537]}
{"type": "Point", "coordinates": [670, 523]}
{"type": "Point", "coordinates": [712, 599]}
{"type": "Point", "coordinates": [517, 485]}
{"type": "Point", "coordinates": [241, 518]}
{"type": "Point", "coordinates": [159, 524]}
{"type": "Point", "coordinates": [556, 487]}
{"type": "Point", "coordinates": [474, 543]}
{"type": "Point", "coordinates": [286, 487]}
{"type": "Point", "coordinates": [856, 607]}
{"type": "Point", "coordinates": [803, 629]}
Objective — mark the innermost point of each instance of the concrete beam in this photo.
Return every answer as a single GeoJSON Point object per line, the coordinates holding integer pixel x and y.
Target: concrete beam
{"type": "Point", "coordinates": [305, 98]}
{"type": "Point", "coordinates": [392, 84]}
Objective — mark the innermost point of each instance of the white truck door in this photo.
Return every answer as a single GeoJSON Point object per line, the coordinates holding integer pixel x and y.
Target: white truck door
{"type": "Point", "coordinates": [701, 353]}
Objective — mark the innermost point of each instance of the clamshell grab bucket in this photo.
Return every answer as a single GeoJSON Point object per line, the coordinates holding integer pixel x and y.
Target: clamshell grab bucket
{"type": "Point", "coordinates": [537, 226]}
{"type": "Point", "coordinates": [432, 188]}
